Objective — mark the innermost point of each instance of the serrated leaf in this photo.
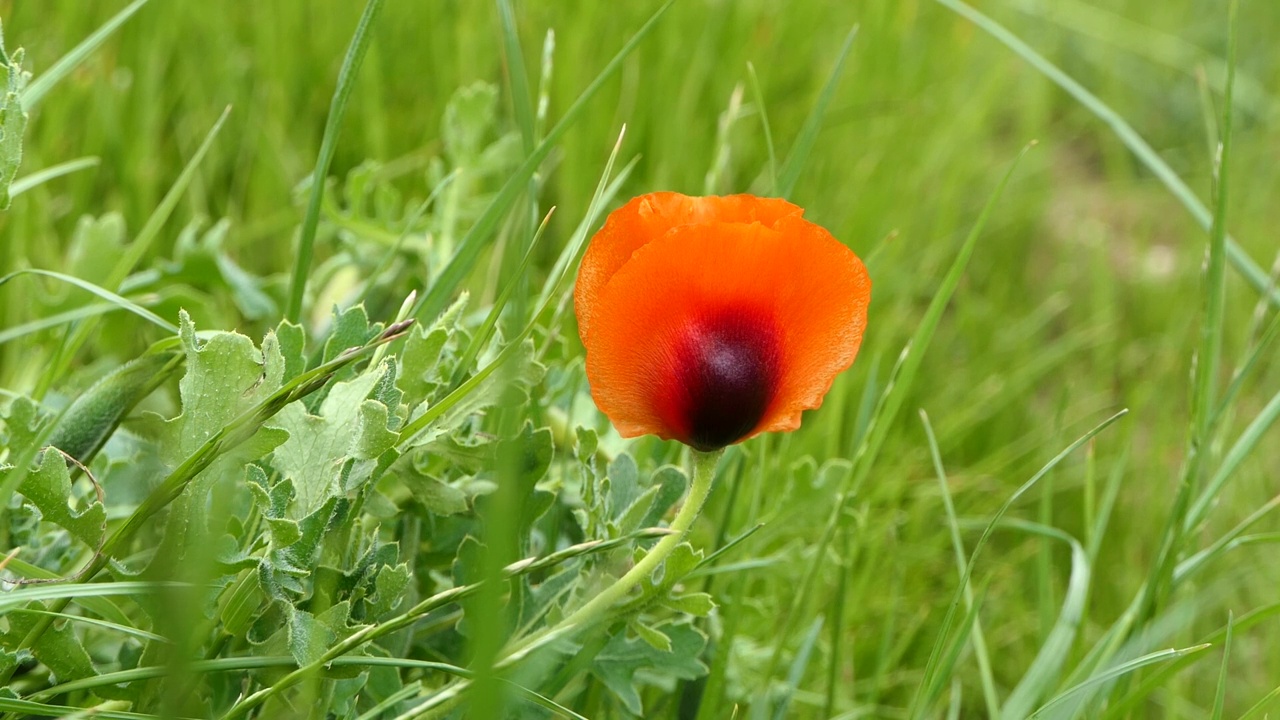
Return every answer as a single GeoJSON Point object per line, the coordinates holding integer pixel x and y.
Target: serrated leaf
{"type": "Point", "coordinates": [351, 328]}
{"type": "Point", "coordinates": [226, 375]}
{"type": "Point", "coordinates": [284, 532]}
{"type": "Point", "coordinates": [682, 561]}
{"type": "Point", "coordinates": [58, 648]}
{"type": "Point", "coordinates": [13, 123]}
{"type": "Point", "coordinates": [468, 117]}
{"type": "Point", "coordinates": [49, 489]}
{"type": "Point", "coordinates": [372, 436]}
{"type": "Point", "coordinates": [292, 339]}
{"type": "Point", "coordinates": [419, 362]}
{"type": "Point", "coordinates": [96, 246]}
{"type": "Point", "coordinates": [315, 457]}
{"type": "Point", "coordinates": [623, 663]}
{"type": "Point", "coordinates": [436, 496]}
{"type": "Point", "coordinates": [23, 426]}
{"type": "Point", "coordinates": [390, 586]}
{"type": "Point", "coordinates": [282, 570]}
{"type": "Point", "coordinates": [672, 484]}
{"type": "Point", "coordinates": [588, 443]}
{"type": "Point", "coordinates": [309, 637]}
{"type": "Point", "coordinates": [519, 373]}
{"type": "Point", "coordinates": [624, 486]}
{"type": "Point", "coordinates": [651, 635]}
{"type": "Point", "coordinates": [699, 603]}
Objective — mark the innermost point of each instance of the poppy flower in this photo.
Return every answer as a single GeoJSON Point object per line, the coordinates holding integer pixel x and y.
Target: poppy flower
{"type": "Point", "coordinates": [711, 319]}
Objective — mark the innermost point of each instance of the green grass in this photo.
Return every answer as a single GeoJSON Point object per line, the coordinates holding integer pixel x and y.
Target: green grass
{"type": "Point", "coordinates": [1022, 552]}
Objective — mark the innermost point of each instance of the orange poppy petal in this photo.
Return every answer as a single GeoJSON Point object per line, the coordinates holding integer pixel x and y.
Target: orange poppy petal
{"type": "Point", "coordinates": [720, 330]}
{"type": "Point", "coordinates": [648, 217]}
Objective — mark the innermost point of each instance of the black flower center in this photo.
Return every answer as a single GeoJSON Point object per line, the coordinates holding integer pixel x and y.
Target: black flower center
{"type": "Point", "coordinates": [728, 373]}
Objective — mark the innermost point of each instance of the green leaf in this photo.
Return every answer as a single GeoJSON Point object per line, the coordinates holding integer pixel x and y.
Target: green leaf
{"type": "Point", "coordinates": [390, 587]}
{"type": "Point", "coordinates": [672, 483]}
{"type": "Point", "coordinates": [58, 648]}
{"type": "Point", "coordinates": [624, 486]}
{"type": "Point", "coordinates": [372, 438]}
{"type": "Point", "coordinates": [682, 561]}
{"type": "Point", "coordinates": [284, 567]}
{"type": "Point", "coordinates": [588, 443]}
{"type": "Point", "coordinates": [310, 636]}
{"type": "Point", "coordinates": [13, 123]}
{"type": "Point", "coordinates": [351, 328]}
{"type": "Point", "coordinates": [283, 531]}
{"type": "Point", "coordinates": [347, 427]}
{"type": "Point", "coordinates": [49, 489]}
{"type": "Point", "coordinates": [438, 497]}
{"type": "Point", "coordinates": [624, 663]}
{"type": "Point", "coordinates": [201, 261]}
{"type": "Point", "coordinates": [698, 603]}
{"type": "Point", "coordinates": [23, 426]}
{"type": "Point", "coordinates": [91, 419]}
{"type": "Point", "coordinates": [419, 363]}
{"type": "Point", "coordinates": [96, 246]}
{"type": "Point", "coordinates": [632, 516]}
{"type": "Point", "coordinates": [483, 390]}
{"type": "Point", "coordinates": [293, 341]}
{"type": "Point", "coordinates": [468, 118]}
{"type": "Point", "coordinates": [226, 375]}
{"type": "Point", "coordinates": [651, 635]}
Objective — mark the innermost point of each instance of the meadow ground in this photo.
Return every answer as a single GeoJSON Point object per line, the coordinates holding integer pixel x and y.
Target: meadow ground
{"type": "Point", "coordinates": [266, 515]}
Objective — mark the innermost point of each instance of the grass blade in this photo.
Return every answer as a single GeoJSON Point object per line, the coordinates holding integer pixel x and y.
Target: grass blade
{"type": "Point", "coordinates": [758, 98]}
{"type": "Point", "coordinates": [482, 334]}
{"type": "Point", "coordinates": [796, 673]}
{"type": "Point", "coordinates": [131, 256]}
{"type": "Point", "coordinates": [1244, 264]}
{"type": "Point", "coordinates": [989, 693]}
{"type": "Point", "coordinates": [27, 708]}
{"type": "Point", "coordinates": [1220, 697]}
{"type": "Point", "coordinates": [920, 703]}
{"type": "Point", "coordinates": [904, 374]}
{"type": "Point", "coordinates": [1243, 447]}
{"type": "Point", "coordinates": [40, 177]}
{"type": "Point", "coordinates": [517, 76]}
{"type": "Point", "coordinates": [76, 591]}
{"type": "Point", "coordinates": [1258, 709]}
{"type": "Point", "coordinates": [474, 241]}
{"type": "Point", "coordinates": [38, 88]}
{"type": "Point", "coordinates": [329, 142]}
{"type": "Point", "coordinates": [151, 230]}
{"type": "Point", "coordinates": [1041, 676]}
{"type": "Point", "coordinates": [123, 629]}
{"type": "Point", "coordinates": [1233, 538]}
{"type": "Point", "coordinates": [604, 193]}
{"type": "Point", "coordinates": [113, 299]}
{"type": "Point", "coordinates": [799, 155]}
{"type": "Point", "coordinates": [1215, 296]}
{"type": "Point", "coordinates": [1116, 672]}
{"type": "Point", "coordinates": [1246, 369]}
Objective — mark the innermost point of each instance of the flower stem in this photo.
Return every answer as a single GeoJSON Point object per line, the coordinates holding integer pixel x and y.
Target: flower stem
{"type": "Point", "coordinates": [703, 471]}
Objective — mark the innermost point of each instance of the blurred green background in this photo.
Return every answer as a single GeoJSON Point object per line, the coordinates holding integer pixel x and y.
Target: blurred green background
{"type": "Point", "coordinates": [1083, 296]}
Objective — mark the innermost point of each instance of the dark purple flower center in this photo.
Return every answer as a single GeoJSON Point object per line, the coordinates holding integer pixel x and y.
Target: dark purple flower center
{"type": "Point", "coordinates": [726, 376]}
